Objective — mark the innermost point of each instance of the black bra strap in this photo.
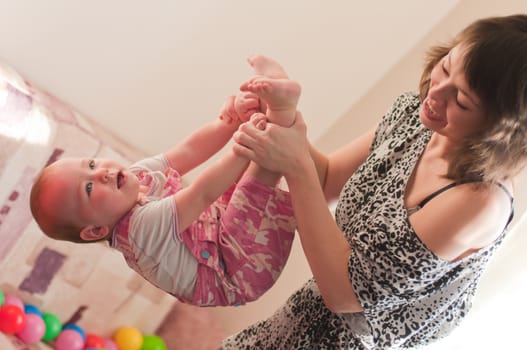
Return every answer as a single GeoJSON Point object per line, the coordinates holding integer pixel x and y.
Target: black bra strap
{"type": "Point", "coordinates": [456, 183]}
{"type": "Point", "coordinates": [443, 189]}
{"type": "Point", "coordinates": [511, 198]}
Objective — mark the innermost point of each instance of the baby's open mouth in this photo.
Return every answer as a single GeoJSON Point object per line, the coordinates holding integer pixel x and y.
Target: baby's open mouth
{"type": "Point", "coordinates": [120, 179]}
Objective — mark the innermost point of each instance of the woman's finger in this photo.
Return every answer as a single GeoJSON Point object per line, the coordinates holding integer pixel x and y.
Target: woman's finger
{"type": "Point", "coordinates": [244, 138]}
{"type": "Point", "coordinates": [253, 127]}
{"type": "Point", "coordinates": [243, 151]}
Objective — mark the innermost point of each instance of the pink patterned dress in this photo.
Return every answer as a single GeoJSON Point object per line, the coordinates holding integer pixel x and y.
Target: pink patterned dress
{"type": "Point", "coordinates": [232, 254]}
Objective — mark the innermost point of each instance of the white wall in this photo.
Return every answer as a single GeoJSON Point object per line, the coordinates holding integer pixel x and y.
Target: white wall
{"type": "Point", "coordinates": [152, 71]}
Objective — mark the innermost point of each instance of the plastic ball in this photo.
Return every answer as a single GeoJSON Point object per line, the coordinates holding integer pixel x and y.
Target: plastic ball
{"type": "Point", "coordinates": [75, 328]}
{"type": "Point", "coordinates": [69, 340]}
{"type": "Point", "coordinates": [32, 309]}
{"type": "Point", "coordinates": [110, 345]}
{"type": "Point", "coordinates": [2, 298]}
{"type": "Point", "coordinates": [33, 329]}
{"type": "Point", "coordinates": [153, 342]}
{"type": "Point", "coordinates": [12, 319]}
{"type": "Point", "coordinates": [53, 326]}
{"type": "Point", "coordinates": [93, 341]}
{"type": "Point", "coordinates": [128, 338]}
{"type": "Point", "coordinates": [10, 299]}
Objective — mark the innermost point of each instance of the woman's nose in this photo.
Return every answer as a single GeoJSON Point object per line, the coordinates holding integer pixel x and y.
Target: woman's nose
{"type": "Point", "coordinates": [437, 94]}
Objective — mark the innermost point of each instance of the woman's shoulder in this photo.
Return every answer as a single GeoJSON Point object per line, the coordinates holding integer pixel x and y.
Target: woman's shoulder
{"type": "Point", "coordinates": [463, 219]}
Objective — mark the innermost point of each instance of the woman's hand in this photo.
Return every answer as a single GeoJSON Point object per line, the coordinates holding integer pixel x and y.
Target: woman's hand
{"type": "Point", "coordinates": [279, 149]}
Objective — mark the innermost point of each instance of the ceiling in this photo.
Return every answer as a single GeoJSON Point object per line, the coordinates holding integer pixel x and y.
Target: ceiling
{"type": "Point", "coordinates": [153, 72]}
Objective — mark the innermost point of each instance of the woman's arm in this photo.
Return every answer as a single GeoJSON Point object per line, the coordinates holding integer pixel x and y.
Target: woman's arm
{"type": "Point", "coordinates": [324, 245]}
{"type": "Point", "coordinates": [287, 150]}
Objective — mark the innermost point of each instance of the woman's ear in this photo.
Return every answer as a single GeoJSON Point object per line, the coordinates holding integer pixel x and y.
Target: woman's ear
{"type": "Point", "coordinates": [94, 233]}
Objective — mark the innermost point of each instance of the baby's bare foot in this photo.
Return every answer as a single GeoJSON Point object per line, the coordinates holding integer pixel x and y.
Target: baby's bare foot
{"type": "Point", "coordinates": [266, 66]}
{"type": "Point", "coordinates": [281, 96]}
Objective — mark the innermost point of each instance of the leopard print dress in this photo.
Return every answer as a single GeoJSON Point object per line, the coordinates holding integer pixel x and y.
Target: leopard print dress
{"type": "Point", "coordinates": [410, 296]}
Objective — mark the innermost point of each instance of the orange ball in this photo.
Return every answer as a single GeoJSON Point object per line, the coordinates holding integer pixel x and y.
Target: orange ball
{"type": "Point", "coordinates": [128, 338]}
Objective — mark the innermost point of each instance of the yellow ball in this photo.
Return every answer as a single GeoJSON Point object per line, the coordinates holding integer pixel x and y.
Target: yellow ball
{"type": "Point", "coordinates": [128, 338]}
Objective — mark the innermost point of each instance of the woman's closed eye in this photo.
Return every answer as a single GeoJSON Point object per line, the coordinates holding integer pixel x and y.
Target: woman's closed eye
{"type": "Point", "coordinates": [445, 71]}
{"type": "Point", "coordinates": [463, 107]}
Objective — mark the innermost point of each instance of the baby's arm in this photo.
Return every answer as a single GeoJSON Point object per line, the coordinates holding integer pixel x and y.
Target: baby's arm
{"type": "Point", "coordinates": [210, 184]}
{"type": "Point", "coordinates": [204, 142]}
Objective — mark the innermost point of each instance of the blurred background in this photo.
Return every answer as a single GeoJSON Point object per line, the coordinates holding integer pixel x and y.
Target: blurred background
{"type": "Point", "coordinates": [151, 72]}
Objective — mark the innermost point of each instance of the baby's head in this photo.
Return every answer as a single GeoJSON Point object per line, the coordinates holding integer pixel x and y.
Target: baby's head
{"type": "Point", "coordinates": [80, 200]}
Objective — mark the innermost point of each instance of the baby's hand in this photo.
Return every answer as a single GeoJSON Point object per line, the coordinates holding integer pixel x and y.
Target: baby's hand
{"type": "Point", "coordinates": [246, 104]}
{"type": "Point", "coordinates": [228, 112]}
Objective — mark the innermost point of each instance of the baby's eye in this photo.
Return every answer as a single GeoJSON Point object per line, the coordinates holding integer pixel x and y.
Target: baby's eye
{"type": "Point", "coordinates": [91, 164]}
{"type": "Point", "coordinates": [89, 188]}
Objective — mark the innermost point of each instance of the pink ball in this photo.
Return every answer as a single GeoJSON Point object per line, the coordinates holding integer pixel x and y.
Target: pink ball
{"type": "Point", "coordinates": [110, 345]}
{"type": "Point", "coordinates": [69, 340]}
{"type": "Point", "coordinates": [33, 329]}
{"type": "Point", "coordinates": [13, 300]}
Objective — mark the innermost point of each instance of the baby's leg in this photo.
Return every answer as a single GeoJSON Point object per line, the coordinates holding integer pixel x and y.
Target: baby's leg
{"type": "Point", "coordinates": [281, 96]}
{"type": "Point", "coordinates": [256, 236]}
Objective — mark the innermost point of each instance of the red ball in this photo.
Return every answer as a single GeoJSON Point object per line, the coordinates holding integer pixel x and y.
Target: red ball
{"type": "Point", "coordinates": [12, 319]}
{"type": "Point", "coordinates": [93, 341]}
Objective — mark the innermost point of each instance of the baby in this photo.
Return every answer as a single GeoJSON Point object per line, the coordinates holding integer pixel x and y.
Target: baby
{"type": "Point", "coordinates": [222, 240]}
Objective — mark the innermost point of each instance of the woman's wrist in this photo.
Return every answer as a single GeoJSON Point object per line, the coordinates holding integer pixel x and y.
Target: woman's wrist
{"type": "Point", "coordinates": [299, 168]}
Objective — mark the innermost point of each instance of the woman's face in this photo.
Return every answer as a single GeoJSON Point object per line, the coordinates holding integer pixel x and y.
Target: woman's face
{"type": "Point", "coordinates": [451, 108]}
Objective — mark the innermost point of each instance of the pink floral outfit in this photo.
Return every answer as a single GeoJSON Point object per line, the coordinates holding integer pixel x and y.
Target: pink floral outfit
{"type": "Point", "coordinates": [232, 254]}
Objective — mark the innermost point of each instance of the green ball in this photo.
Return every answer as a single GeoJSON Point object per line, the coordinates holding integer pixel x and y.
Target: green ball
{"type": "Point", "coordinates": [2, 299]}
{"type": "Point", "coordinates": [53, 326]}
{"type": "Point", "coordinates": [153, 342]}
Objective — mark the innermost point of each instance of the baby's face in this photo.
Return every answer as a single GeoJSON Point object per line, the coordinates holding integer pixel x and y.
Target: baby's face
{"type": "Point", "coordinates": [91, 191]}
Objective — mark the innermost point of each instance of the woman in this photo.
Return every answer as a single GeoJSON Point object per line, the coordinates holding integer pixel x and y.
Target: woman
{"type": "Point", "coordinates": [424, 201]}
